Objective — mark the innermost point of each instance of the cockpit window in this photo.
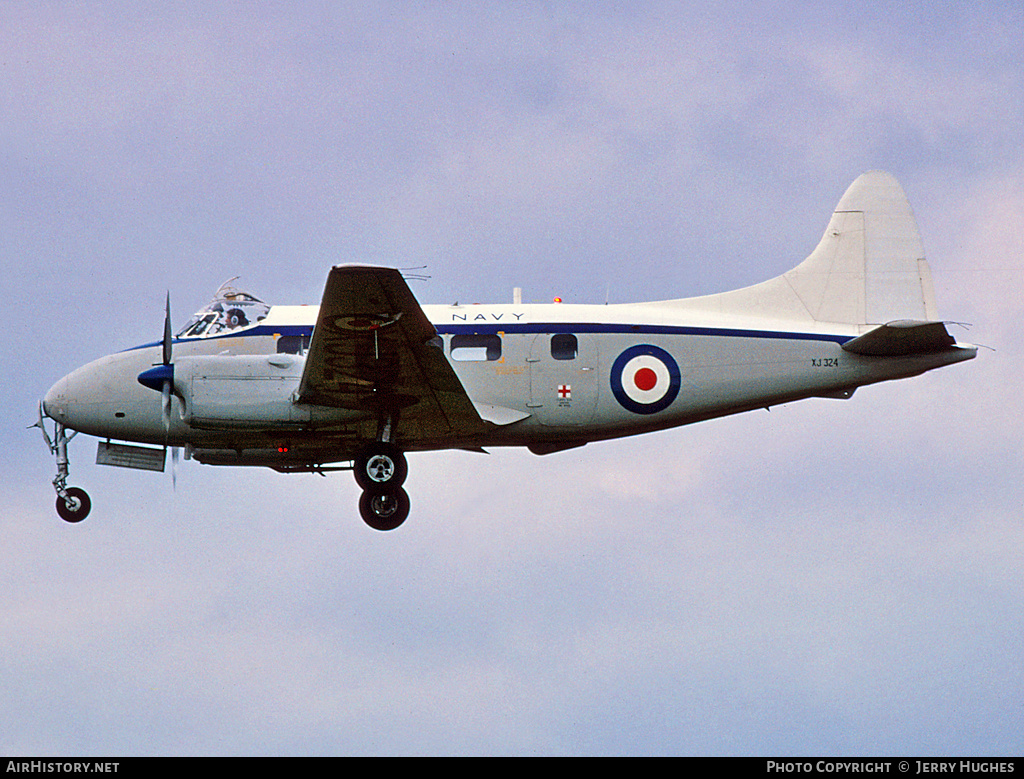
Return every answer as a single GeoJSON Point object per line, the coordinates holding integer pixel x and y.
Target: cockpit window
{"type": "Point", "coordinates": [231, 309]}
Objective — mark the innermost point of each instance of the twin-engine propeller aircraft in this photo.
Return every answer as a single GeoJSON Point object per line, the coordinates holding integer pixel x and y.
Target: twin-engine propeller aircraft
{"type": "Point", "coordinates": [371, 375]}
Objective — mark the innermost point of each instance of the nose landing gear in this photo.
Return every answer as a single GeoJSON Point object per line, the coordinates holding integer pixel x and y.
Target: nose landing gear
{"type": "Point", "coordinates": [73, 503]}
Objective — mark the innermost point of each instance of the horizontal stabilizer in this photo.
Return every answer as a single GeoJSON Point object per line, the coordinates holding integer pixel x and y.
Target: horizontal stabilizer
{"type": "Point", "coordinates": [902, 338]}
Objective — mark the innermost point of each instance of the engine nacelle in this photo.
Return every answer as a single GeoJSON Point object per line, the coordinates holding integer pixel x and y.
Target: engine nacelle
{"type": "Point", "coordinates": [252, 392]}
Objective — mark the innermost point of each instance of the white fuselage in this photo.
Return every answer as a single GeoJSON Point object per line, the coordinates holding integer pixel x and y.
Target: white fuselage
{"type": "Point", "coordinates": [548, 376]}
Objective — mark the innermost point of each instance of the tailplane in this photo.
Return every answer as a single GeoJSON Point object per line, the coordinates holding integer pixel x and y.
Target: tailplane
{"type": "Point", "coordinates": [898, 339]}
{"type": "Point", "coordinates": [868, 269]}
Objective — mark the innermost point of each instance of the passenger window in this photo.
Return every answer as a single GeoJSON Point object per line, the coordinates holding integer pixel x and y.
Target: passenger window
{"type": "Point", "coordinates": [564, 346]}
{"type": "Point", "coordinates": [292, 344]}
{"type": "Point", "coordinates": [476, 347]}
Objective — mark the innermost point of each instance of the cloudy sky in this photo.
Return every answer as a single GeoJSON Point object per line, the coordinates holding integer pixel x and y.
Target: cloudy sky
{"type": "Point", "coordinates": [827, 578]}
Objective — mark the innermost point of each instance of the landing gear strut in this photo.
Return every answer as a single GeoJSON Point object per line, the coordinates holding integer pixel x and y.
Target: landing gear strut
{"type": "Point", "coordinates": [381, 471]}
{"type": "Point", "coordinates": [73, 503]}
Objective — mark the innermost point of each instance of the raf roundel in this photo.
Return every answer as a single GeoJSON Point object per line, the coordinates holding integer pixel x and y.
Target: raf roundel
{"type": "Point", "coordinates": [645, 379]}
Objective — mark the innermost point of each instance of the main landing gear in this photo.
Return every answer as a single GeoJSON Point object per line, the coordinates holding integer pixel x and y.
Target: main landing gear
{"type": "Point", "coordinates": [381, 471]}
{"type": "Point", "coordinates": [73, 503]}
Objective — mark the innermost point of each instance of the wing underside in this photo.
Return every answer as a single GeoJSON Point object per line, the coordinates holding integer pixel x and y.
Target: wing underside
{"type": "Point", "coordinates": [375, 351]}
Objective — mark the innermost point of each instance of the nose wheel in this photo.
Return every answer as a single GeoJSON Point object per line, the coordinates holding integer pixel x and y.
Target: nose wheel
{"type": "Point", "coordinates": [74, 505]}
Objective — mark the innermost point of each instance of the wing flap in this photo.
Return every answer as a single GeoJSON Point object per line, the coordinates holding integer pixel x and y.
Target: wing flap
{"type": "Point", "coordinates": [374, 350]}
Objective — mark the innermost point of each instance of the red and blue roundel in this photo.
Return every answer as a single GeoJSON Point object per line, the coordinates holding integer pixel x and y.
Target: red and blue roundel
{"type": "Point", "coordinates": [645, 379]}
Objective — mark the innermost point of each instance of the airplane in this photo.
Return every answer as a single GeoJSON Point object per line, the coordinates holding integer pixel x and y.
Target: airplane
{"type": "Point", "coordinates": [371, 375]}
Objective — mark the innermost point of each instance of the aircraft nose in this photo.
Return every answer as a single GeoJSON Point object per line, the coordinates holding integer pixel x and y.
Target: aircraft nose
{"type": "Point", "coordinates": [103, 398]}
{"type": "Point", "coordinates": [79, 400]}
{"type": "Point", "coordinates": [55, 401]}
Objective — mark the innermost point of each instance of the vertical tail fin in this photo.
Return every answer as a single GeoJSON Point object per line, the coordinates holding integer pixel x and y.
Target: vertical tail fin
{"type": "Point", "coordinates": [868, 269]}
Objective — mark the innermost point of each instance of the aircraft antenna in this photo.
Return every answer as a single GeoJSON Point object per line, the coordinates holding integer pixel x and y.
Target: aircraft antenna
{"type": "Point", "coordinates": [407, 273]}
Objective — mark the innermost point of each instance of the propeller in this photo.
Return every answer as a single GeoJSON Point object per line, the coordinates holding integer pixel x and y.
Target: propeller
{"type": "Point", "coordinates": [168, 381]}
{"type": "Point", "coordinates": [161, 377]}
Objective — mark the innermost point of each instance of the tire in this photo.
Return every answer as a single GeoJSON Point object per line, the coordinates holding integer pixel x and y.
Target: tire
{"type": "Point", "coordinates": [80, 506]}
{"type": "Point", "coordinates": [381, 469]}
{"type": "Point", "coordinates": [384, 510]}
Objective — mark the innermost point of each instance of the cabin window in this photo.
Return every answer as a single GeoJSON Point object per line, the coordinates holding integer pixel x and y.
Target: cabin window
{"type": "Point", "coordinates": [292, 344]}
{"type": "Point", "coordinates": [476, 347]}
{"type": "Point", "coordinates": [564, 346]}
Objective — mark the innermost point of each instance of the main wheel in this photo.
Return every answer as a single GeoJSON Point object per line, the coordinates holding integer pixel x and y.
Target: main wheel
{"type": "Point", "coordinates": [381, 469]}
{"type": "Point", "coordinates": [76, 507]}
{"type": "Point", "coordinates": [384, 510]}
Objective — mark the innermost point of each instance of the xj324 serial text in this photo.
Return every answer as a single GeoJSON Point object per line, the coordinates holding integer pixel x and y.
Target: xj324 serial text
{"type": "Point", "coordinates": [371, 374]}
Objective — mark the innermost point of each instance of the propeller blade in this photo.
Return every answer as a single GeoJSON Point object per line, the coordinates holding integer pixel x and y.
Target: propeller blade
{"type": "Point", "coordinates": [167, 330]}
{"type": "Point", "coordinates": [167, 386]}
{"type": "Point", "coordinates": [165, 392]}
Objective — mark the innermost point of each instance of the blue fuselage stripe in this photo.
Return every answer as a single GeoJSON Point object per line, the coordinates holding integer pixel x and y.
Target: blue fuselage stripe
{"type": "Point", "coordinates": [526, 328]}
{"type": "Point", "coordinates": [628, 329]}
